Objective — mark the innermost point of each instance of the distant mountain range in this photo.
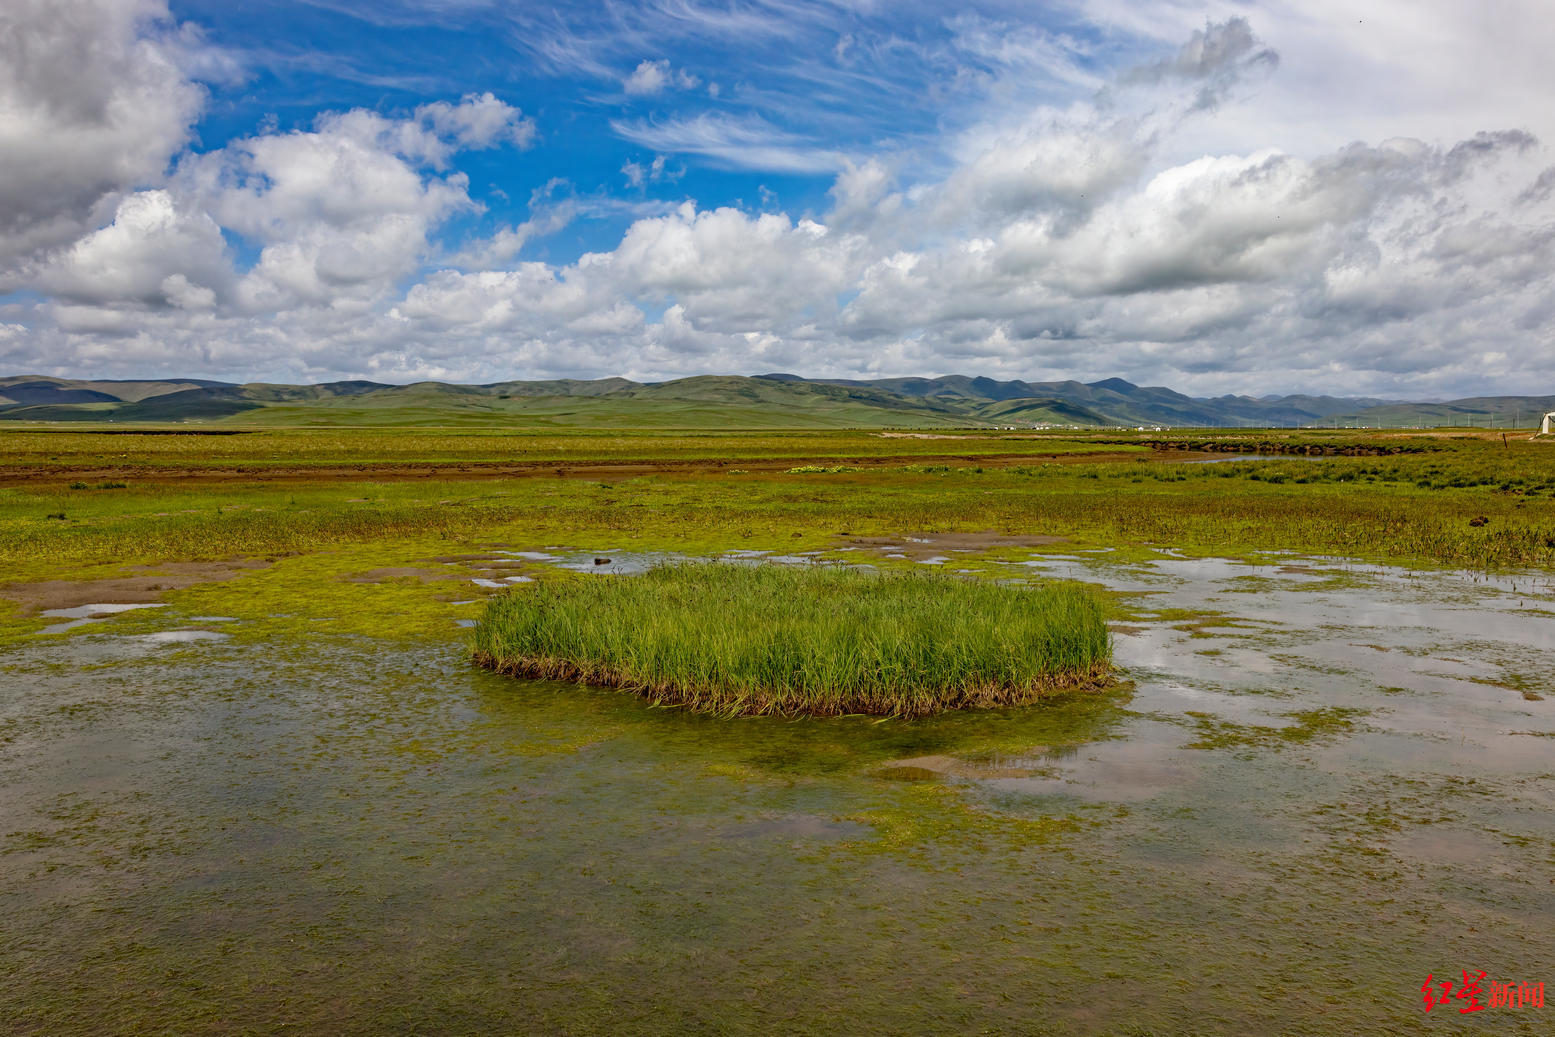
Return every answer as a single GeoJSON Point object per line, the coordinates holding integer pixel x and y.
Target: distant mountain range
{"type": "Point", "coordinates": [711, 401]}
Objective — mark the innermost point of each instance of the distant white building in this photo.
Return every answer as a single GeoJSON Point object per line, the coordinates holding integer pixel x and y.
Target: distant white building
{"type": "Point", "coordinates": [1549, 424]}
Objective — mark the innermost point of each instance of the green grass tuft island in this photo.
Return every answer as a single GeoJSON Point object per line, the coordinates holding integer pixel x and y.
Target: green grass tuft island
{"type": "Point", "coordinates": [802, 640]}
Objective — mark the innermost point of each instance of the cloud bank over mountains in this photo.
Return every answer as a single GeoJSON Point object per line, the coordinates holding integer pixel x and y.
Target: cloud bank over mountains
{"type": "Point", "coordinates": [1133, 192]}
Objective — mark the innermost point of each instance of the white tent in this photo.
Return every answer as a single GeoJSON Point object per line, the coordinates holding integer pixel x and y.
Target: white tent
{"type": "Point", "coordinates": [1549, 424]}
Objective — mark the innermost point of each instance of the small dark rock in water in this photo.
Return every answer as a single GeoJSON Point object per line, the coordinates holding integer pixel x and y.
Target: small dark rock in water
{"type": "Point", "coordinates": [1479, 521]}
{"type": "Point", "coordinates": [601, 561]}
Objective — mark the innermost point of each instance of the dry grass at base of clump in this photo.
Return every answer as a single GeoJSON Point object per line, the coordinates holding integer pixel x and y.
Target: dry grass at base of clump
{"type": "Point", "coordinates": [781, 702]}
{"type": "Point", "coordinates": [818, 641]}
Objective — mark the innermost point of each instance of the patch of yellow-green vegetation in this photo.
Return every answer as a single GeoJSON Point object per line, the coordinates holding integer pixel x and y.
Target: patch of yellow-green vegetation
{"type": "Point", "coordinates": [1306, 726]}
{"type": "Point", "coordinates": [742, 772]}
{"type": "Point", "coordinates": [352, 591]}
{"type": "Point", "coordinates": [1259, 584]}
{"type": "Point", "coordinates": [1395, 802]}
{"type": "Point", "coordinates": [336, 592]}
{"type": "Point", "coordinates": [561, 740]}
{"type": "Point", "coordinates": [1212, 628]}
{"type": "Point", "coordinates": [821, 641]}
{"type": "Point", "coordinates": [1330, 584]}
{"type": "Point", "coordinates": [1530, 688]}
{"type": "Point", "coordinates": [1196, 623]}
{"type": "Point", "coordinates": [915, 820]}
{"type": "Point", "coordinates": [16, 622]}
{"type": "Point", "coordinates": [803, 748]}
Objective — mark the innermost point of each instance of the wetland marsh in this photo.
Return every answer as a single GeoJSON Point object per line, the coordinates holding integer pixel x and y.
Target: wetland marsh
{"type": "Point", "coordinates": [286, 798]}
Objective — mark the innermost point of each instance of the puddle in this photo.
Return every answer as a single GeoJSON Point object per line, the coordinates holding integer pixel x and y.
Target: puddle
{"type": "Point", "coordinates": [166, 637]}
{"type": "Point", "coordinates": [95, 611]}
{"type": "Point", "coordinates": [1147, 764]}
{"type": "Point", "coordinates": [84, 615]}
{"type": "Point", "coordinates": [60, 628]}
{"type": "Point", "coordinates": [632, 563]}
{"type": "Point", "coordinates": [497, 584]}
{"type": "Point", "coordinates": [620, 563]}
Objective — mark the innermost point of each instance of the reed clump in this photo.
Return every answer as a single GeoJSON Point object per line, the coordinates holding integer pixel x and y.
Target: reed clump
{"type": "Point", "coordinates": [807, 640]}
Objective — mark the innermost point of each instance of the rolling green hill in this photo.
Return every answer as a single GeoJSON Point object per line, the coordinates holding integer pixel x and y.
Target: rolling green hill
{"type": "Point", "coordinates": [1041, 411]}
{"type": "Point", "coordinates": [722, 401]}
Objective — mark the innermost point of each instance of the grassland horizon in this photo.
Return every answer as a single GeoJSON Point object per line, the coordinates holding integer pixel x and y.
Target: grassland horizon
{"type": "Point", "coordinates": [802, 640]}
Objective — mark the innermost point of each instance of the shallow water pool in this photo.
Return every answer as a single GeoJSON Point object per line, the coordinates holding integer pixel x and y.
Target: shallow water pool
{"type": "Point", "coordinates": [1323, 782]}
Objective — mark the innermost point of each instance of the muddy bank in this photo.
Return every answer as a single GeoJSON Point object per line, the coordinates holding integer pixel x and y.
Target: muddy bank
{"type": "Point", "coordinates": [126, 590]}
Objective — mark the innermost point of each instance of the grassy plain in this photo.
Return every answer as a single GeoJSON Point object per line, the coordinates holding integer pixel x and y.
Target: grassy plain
{"type": "Point", "coordinates": [40, 451]}
{"type": "Point", "coordinates": [84, 505]}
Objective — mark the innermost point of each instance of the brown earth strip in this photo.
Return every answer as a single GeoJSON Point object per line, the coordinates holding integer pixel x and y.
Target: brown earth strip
{"type": "Point", "coordinates": [125, 590]}
{"type": "Point", "coordinates": [1273, 448]}
{"type": "Point", "coordinates": [22, 475]}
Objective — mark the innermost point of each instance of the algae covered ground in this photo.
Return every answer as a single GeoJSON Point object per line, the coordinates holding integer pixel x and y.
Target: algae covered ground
{"type": "Point", "coordinates": [277, 793]}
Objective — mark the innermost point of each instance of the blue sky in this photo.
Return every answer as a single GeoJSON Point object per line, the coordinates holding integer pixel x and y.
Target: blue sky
{"type": "Point", "coordinates": [748, 105]}
{"type": "Point", "coordinates": [1254, 196]}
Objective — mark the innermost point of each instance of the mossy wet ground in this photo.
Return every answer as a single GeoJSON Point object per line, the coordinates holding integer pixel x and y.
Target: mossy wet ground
{"type": "Point", "coordinates": [329, 820]}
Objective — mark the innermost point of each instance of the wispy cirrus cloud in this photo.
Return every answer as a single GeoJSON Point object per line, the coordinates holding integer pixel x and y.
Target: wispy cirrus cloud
{"type": "Point", "coordinates": [746, 142]}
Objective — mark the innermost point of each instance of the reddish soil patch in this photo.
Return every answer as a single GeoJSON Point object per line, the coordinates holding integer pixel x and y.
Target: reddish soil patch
{"type": "Point", "coordinates": [125, 590]}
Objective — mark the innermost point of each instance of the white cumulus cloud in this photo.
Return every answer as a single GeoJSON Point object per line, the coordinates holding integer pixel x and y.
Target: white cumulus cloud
{"type": "Point", "coordinates": [94, 100]}
{"type": "Point", "coordinates": [1182, 224]}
